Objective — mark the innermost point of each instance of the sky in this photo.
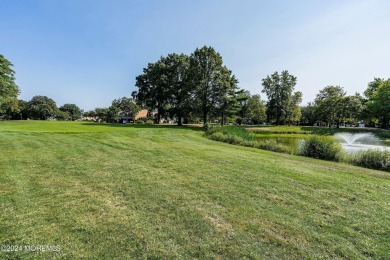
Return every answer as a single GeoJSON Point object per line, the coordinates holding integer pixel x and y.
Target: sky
{"type": "Point", "coordinates": [89, 52]}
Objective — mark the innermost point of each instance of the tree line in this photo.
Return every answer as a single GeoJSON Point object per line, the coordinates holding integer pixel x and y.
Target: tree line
{"type": "Point", "coordinates": [200, 88]}
{"type": "Point", "coordinates": [333, 107]}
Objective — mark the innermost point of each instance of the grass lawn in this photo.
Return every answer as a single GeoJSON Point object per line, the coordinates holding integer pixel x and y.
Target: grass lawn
{"type": "Point", "coordinates": [103, 191]}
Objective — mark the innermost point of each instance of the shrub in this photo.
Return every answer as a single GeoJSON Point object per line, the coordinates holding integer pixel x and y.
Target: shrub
{"type": "Point", "coordinates": [232, 130]}
{"type": "Point", "coordinates": [374, 159]}
{"type": "Point", "coordinates": [149, 122]}
{"type": "Point", "coordinates": [240, 136]}
{"type": "Point", "coordinates": [272, 145]}
{"type": "Point", "coordinates": [320, 148]}
{"type": "Point", "coordinates": [207, 127]}
{"type": "Point", "coordinates": [140, 121]}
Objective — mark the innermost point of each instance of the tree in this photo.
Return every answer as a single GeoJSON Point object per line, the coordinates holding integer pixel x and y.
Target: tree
{"type": "Point", "coordinates": [308, 114]}
{"type": "Point", "coordinates": [124, 105]}
{"type": "Point", "coordinates": [334, 107]}
{"type": "Point", "coordinates": [370, 114]}
{"type": "Point", "coordinates": [278, 89]}
{"type": "Point", "coordinates": [62, 115]}
{"type": "Point", "coordinates": [164, 86]}
{"type": "Point", "coordinates": [153, 91]}
{"type": "Point", "coordinates": [293, 113]}
{"type": "Point", "coordinates": [210, 79]}
{"type": "Point", "coordinates": [327, 104]}
{"type": "Point", "coordinates": [227, 105]}
{"type": "Point", "coordinates": [101, 113]}
{"type": "Point", "coordinates": [256, 109]}
{"type": "Point", "coordinates": [74, 112]}
{"type": "Point", "coordinates": [10, 107]}
{"type": "Point", "coordinates": [379, 103]}
{"type": "Point", "coordinates": [349, 108]}
{"type": "Point", "coordinates": [42, 107]}
{"type": "Point", "coordinates": [373, 87]}
{"type": "Point", "coordinates": [9, 91]}
{"type": "Point", "coordinates": [242, 97]}
{"type": "Point", "coordinates": [90, 113]}
{"type": "Point", "coordinates": [179, 91]}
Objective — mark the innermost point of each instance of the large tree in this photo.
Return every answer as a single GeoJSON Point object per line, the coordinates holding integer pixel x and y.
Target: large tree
{"type": "Point", "coordinates": [293, 113]}
{"type": "Point", "coordinates": [74, 112]}
{"type": "Point", "coordinates": [333, 106]}
{"type": "Point", "coordinates": [242, 98]}
{"type": "Point", "coordinates": [373, 87]}
{"type": "Point", "coordinates": [125, 105]}
{"type": "Point", "coordinates": [278, 88]}
{"type": "Point", "coordinates": [327, 104]}
{"type": "Point", "coordinates": [349, 109]}
{"type": "Point", "coordinates": [256, 109]}
{"type": "Point", "coordinates": [42, 107]}
{"type": "Point", "coordinates": [175, 73]}
{"type": "Point", "coordinates": [153, 90]}
{"type": "Point", "coordinates": [211, 80]}
{"type": "Point", "coordinates": [379, 103]}
{"type": "Point", "coordinates": [101, 113]}
{"type": "Point", "coordinates": [9, 91]}
{"type": "Point", "coordinates": [164, 86]}
{"type": "Point", "coordinates": [227, 105]}
{"type": "Point", "coordinates": [308, 116]}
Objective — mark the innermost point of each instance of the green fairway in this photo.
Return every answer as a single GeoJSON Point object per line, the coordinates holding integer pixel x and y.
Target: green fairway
{"type": "Point", "coordinates": [103, 191]}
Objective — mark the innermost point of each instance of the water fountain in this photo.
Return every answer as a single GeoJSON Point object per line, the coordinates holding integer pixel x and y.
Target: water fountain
{"type": "Point", "coordinates": [360, 141]}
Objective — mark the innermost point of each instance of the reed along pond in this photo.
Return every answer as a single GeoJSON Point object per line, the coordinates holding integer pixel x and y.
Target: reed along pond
{"type": "Point", "coordinates": [350, 142]}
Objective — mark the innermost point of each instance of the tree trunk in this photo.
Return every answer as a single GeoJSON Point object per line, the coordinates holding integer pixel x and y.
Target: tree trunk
{"type": "Point", "coordinates": [222, 119]}
{"type": "Point", "coordinates": [204, 117]}
{"type": "Point", "coordinates": [179, 123]}
{"type": "Point", "coordinates": [158, 116]}
{"type": "Point", "coordinates": [384, 123]}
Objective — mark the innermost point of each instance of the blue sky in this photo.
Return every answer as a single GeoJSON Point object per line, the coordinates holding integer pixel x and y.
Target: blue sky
{"type": "Point", "coordinates": [89, 52]}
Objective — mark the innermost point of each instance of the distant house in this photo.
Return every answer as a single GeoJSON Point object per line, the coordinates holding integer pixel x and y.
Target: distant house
{"type": "Point", "coordinates": [142, 114]}
{"type": "Point", "coordinates": [89, 118]}
{"type": "Point", "coordinates": [124, 117]}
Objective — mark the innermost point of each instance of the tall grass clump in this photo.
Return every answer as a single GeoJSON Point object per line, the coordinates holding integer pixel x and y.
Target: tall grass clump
{"type": "Point", "coordinates": [319, 148]}
{"type": "Point", "coordinates": [232, 131]}
{"type": "Point", "coordinates": [373, 159]}
{"type": "Point", "coordinates": [240, 136]}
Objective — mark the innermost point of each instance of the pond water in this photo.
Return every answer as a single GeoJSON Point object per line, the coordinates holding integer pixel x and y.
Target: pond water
{"type": "Point", "coordinates": [360, 142]}
{"type": "Point", "coordinates": [350, 142]}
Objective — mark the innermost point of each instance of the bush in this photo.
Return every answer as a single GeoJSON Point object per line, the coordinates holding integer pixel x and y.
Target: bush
{"type": "Point", "coordinates": [272, 145]}
{"type": "Point", "coordinates": [140, 121]}
{"type": "Point", "coordinates": [149, 122]}
{"type": "Point", "coordinates": [240, 136]}
{"type": "Point", "coordinates": [232, 131]}
{"type": "Point", "coordinates": [374, 159]}
{"type": "Point", "coordinates": [320, 148]}
{"type": "Point", "coordinates": [207, 127]}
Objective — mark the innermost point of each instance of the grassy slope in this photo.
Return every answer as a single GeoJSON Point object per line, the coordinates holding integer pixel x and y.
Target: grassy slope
{"type": "Point", "coordinates": [104, 191]}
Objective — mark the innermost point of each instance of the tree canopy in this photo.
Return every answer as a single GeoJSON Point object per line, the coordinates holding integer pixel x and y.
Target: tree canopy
{"type": "Point", "coordinates": [42, 107]}
{"type": "Point", "coordinates": [257, 109]}
{"type": "Point", "coordinates": [73, 111]}
{"type": "Point", "coordinates": [180, 85]}
{"type": "Point", "coordinates": [279, 88]}
{"type": "Point", "coordinates": [9, 91]}
{"type": "Point", "coordinates": [333, 106]}
{"type": "Point", "coordinates": [211, 80]}
{"type": "Point", "coordinates": [379, 102]}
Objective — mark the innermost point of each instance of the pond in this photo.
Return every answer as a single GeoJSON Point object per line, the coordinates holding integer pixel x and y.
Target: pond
{"type": "Point", "coordinates": [350, 142]}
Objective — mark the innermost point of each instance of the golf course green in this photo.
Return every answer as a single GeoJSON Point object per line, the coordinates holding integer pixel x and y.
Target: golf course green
{"type": "Point", "coordinates": [101, 191]}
